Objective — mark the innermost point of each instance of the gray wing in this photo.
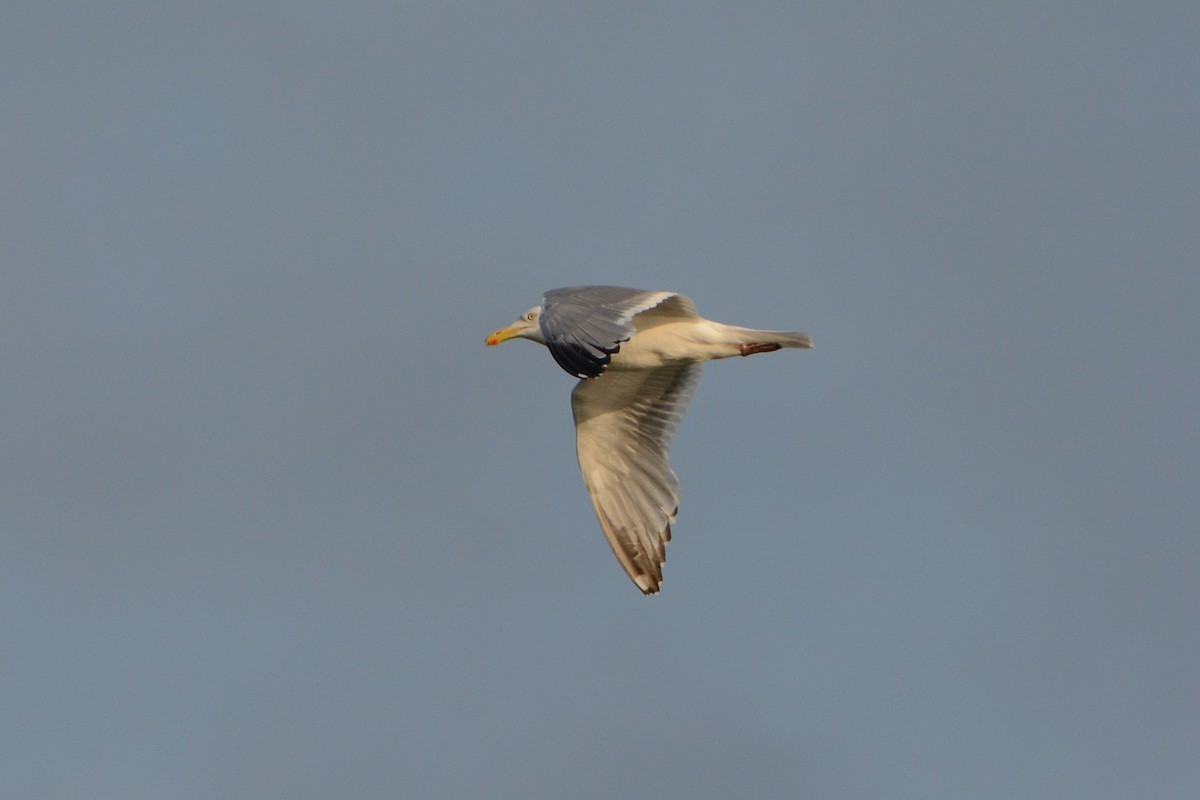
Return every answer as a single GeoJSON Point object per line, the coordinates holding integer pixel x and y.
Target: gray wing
{"type": "Point", "coordinates": [624, 423]}
{"type": "Point", "coordinates": [584, 325]}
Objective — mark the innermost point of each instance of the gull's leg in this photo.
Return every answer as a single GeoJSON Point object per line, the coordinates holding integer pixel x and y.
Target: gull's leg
{"type": "Point", "coordinates": [750, 348]}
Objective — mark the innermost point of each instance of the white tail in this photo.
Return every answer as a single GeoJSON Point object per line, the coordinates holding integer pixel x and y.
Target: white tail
{"type": "Point", "coordinates": [782, 338]}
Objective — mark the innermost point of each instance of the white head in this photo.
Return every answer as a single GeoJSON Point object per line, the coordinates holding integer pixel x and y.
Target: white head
{"type": "Point", "coordinates": [526, 327]}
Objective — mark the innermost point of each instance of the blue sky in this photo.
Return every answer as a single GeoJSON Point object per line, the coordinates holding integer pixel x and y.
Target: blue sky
{"type": "Point", "coordinates": [276, 524]}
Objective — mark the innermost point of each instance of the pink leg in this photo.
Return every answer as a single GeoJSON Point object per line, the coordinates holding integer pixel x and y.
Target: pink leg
{"type": "Point", "coordinates": [758, 347]}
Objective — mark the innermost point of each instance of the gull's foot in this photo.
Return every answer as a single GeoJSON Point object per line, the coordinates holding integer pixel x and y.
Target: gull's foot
{"type": "Point", "coordinates": [758, 347]}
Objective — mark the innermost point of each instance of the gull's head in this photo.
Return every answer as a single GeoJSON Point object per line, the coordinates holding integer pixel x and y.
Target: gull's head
{"type": "Point", "coordinates": [526, 327]}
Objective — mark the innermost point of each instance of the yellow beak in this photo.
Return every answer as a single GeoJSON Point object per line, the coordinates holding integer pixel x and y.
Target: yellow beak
{"type": "Point", "coordinates": [502, 335]}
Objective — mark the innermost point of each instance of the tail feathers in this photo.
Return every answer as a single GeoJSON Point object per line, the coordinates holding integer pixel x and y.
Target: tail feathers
{"type": "Point", "coordinates": [782, 338]}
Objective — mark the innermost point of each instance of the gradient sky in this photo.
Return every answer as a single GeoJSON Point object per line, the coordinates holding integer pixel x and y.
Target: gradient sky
{"type": "Point", "coordinates": [276, 524]}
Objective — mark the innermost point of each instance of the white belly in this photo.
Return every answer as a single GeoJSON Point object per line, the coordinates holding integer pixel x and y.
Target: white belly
{"type": "Point", "coordinates": [674, 343]}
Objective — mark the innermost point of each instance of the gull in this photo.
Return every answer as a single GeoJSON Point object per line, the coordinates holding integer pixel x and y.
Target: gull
{"type": "Point", "coordinates": [638, 356]}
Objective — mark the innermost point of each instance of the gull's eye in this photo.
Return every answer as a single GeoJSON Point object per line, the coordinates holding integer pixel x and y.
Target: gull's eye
{"type": "Point", "coordinates": [531, 316]}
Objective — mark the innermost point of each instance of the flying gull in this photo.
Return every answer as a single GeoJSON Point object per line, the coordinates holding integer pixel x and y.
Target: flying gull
{"type": "Point", "coordinates": [638, 355]}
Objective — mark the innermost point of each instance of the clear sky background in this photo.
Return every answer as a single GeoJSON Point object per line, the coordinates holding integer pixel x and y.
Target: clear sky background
{"type": "Point", "coordinates": [276, 524]}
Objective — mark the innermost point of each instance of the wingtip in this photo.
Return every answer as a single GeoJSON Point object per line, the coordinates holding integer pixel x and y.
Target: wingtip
{"type": "Point", "coordinates": [646, 584]}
